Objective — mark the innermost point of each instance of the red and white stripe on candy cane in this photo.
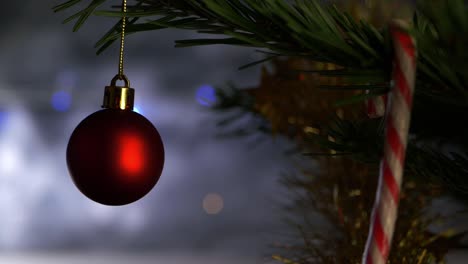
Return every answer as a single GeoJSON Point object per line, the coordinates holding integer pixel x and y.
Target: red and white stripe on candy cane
{"type": "Point", "coordinates": [384, 212]}
{"type": "Point", "coordinates": [375, 107]}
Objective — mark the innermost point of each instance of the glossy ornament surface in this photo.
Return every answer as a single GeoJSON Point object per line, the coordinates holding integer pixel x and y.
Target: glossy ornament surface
{"type": "Point", "coordinates": [115, 157]}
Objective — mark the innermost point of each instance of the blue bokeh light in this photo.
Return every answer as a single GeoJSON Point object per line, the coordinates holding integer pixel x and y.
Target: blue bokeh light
{"type": "Point", "coordinates": [61, 101]}
{"type": "Point", "coordinates": [206, 95]}
{"type": "Point", "coordinates": [3, 118]}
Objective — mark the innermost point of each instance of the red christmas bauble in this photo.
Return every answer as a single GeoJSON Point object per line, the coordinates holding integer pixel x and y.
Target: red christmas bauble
{"type": "Point", "coordinates": [115, 157]}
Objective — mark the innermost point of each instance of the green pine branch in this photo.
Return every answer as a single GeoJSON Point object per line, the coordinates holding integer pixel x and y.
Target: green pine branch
{"type": "Point", "coordinates": [312, 30]}
{"type": "Point", "coordinates": [362, 140]}
{"type": "Point", "coordinates": [322, 32]}
{"type": "Point", "coordinates": [306, 28]}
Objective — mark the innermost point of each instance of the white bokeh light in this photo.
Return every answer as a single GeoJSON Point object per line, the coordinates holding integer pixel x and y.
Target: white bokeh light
{"type": "Point", "coordinates": [10, 159]}
{"type": "Point", "coordinates": [24, 177]}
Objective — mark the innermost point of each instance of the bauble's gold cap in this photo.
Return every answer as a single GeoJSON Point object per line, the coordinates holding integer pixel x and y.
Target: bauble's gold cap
{"type": "Point", "coordinates": [119, 97]}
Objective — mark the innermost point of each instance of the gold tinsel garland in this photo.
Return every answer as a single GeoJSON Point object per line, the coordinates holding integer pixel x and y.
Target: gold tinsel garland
{"type": "Point", "coordinates": [293, 102]}
{"type": "Point", "coordinates": [344, 193]}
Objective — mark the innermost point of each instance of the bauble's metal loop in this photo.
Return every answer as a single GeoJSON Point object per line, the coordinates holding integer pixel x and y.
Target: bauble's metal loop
{"type": "Point", "coordinates": [119, 77]}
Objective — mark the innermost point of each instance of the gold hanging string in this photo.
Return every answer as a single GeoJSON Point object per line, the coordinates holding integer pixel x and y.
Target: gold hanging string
{"type": "Point", "coordinates": [120, 97]}
{"type": "Point", "coordinates": [122, 41]}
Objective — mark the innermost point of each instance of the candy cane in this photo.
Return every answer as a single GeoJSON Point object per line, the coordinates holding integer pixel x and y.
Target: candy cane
{"type": "Point", "coordinates": [384, 212]}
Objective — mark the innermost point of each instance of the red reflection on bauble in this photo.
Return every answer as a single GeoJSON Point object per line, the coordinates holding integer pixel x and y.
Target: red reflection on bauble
{"type": "Point", "coordinates": [131, 154]}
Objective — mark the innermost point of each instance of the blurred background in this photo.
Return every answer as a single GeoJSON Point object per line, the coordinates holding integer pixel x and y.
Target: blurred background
{"type": "Point", "coordinates": [214, 203]}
